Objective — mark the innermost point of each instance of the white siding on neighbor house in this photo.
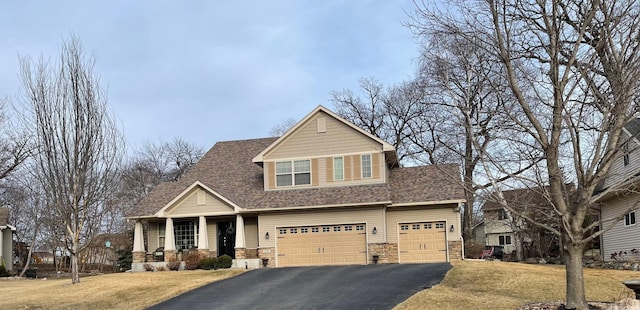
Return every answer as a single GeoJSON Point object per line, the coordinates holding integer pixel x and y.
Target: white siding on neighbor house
{"type": "Point", "coordinates": [619, 172]}
{"type": "Point", "coordinates": [397, 215]}
{"type": "Point", "coordinates": [251, 232]}
{"type": "Point", "coordinates": [620, 237]}
{"type": "Point", "coordinates": [190, 206]}
{"type": "Point", "coordinates": [338, 138]}
{"type": "Point", "coordinates": [494, 239]}
{"type": "Point", "coordinates": [372, 217]}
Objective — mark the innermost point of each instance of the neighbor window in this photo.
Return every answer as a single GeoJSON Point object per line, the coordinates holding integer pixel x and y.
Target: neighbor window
{"type": "Point", "coordinates": [502, 214]}
{"type": "Point", "coordinates": [630, 218]}
{"type": "Point", "coordinates": [366, 166]}
{"type": "Point", "coordinates": [338, 169]}
{"type": "Point", "coordinates": [625, 153]}
{"type": "Point", "coordinates": [292, 173]}
{"type": "Point", "coordinates": [504, 240]}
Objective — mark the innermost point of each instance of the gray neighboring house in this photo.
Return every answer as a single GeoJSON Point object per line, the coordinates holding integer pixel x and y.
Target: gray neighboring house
{"type": "Point", "coordinates": [622, 184]}
{"type": "Point", "coordinates": [6, 240]}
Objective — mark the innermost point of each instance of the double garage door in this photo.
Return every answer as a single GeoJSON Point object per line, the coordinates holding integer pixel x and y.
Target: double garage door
{"type": "Point", "coordinates": [322, 245]}
{"type": "Point", "coordinates": [423, 242]}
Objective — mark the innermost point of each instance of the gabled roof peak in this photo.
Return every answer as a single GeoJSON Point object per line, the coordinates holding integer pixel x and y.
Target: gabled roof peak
{"type": "Point", "coordinates": [386, 147]}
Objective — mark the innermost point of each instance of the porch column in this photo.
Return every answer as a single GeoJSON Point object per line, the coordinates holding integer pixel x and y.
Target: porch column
{"type": "Point", "coordinates": [138, 243]}
{"type": "Point", "coordinates": [241, 246]}
{"type": "Point", "coordinates": [169, 240]}
{"type": "Point", "coordinates": [203, 238]}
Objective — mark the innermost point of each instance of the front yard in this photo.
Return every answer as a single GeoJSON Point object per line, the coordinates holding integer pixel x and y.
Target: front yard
{"type": "Point", "coordinates": [500, 285]}
{"type": "Point", "coordinates": [469, 285]}
{"type": "Point", "coordinates": [131, 290]}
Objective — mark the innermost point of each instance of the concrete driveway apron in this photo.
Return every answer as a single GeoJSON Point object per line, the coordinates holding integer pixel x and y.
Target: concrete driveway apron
{"type": "Point", "coordinates": [322, 287]}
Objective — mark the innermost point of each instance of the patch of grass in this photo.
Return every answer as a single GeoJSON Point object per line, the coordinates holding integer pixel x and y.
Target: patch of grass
{"type": "Point", "coordinates": [501, 285]}
{"type": "Point", "coordinates": [132, 290]}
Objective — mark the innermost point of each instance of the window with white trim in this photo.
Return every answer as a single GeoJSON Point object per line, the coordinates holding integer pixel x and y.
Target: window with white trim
{"type": "Point", "coordinates": [293, 173]}
{"type": "Point", "coordinates": [338, 168]}
{"type": "Point", "coordinates": [326, 229]}
{"type": "Point", "coordinates": [366, 166]}
{"type": "Point", "coordinates": [439, 225]}
{"type": "Point", "coordinates": [630, 218]}
{"type": "Point", "coordinates": [504, 240]}
{"type": "Point", "coordinates": [359, 227]}
{"type": "Point", "coordinates": [161, 234]}
{"type": "Point", "coordinates": [185, 235]}
{"type": "Point", "coordinates": [625, 153]}
{"type": "Point", "coordinates": [314, 229]}
{"type": "Point", "coordinates": [404, 227]}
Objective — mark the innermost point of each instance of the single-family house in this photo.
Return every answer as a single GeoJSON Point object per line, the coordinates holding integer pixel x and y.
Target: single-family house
{"type": "Point", "coordinates": [623, 198]}
{"type": "Point", "coordinates": [507, 229]}
{"type": "Point", "coordinates": [6, 240]}
{"type": "Point", "coordinates": [324, 193]}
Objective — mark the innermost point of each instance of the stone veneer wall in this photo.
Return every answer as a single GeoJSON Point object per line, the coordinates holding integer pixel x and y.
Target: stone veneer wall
{"type": "Point", "coordinates": [170, 254]}
{"type": "Point", "coordinates": [251, 253]}
{"type": "Point", "coordinates": [387, 253]}
{"type": "Point", "coordinates": [241, 253]}
{"type": "Point", "coordinates": [138, 256]}
{"type": "Point", "coordinates": [268, 253]}
{"type": "Point", "coordinates": [455, 250]}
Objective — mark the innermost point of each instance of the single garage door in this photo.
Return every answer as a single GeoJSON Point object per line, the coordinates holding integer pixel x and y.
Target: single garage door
{"type": "Point", "coordinates": [423, 242]}
{"type": "Point", "coordinates": [322, 245]}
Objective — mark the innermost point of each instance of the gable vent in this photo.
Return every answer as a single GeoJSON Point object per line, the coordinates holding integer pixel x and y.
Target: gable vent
{"type": "Point", "coordinates": [322, 124]}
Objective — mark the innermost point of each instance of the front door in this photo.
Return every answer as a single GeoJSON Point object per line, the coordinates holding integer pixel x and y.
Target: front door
{"type": "Point", "coordinates": [227, 239]}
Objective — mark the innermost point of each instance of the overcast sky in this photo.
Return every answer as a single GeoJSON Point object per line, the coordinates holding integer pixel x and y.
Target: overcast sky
{"type": "Point", "coordinates": [212, 71]}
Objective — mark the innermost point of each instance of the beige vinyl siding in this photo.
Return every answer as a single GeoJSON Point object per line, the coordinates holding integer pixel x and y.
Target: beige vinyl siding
{"type": "Point", "coordinates": [620, 237]}
{"type": "Point", "coordinates": [251, 232]}
{"type": "Point", "coordinates": [397, 215]}
{"type": "Point", "coordinates": [372, 217]}
{"type": "Point", "coordinates": [619, 172]}
{"type": "Point", "coordinates": [189, 206]}
{"type": "Point", "coordinates": [212, 235]}
{"type": "Point", "coordinates": [339, 138]}
{"type": "Point", "coordinates": [152, 243]}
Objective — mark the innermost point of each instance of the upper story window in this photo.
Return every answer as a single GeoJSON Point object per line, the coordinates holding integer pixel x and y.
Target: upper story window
{"type": "Point", "coordinates": [338, 168]}
{"type": "Point", "coordinates": [366, 166]}
{"type": "Point", "coordinates": [293, 173]}
{"type": "Point", "coordinates": [625, 153]}
{"type": "Point", "coordinates": [630, 218]}
{"type": "Point", "coordinates": [502, 214]}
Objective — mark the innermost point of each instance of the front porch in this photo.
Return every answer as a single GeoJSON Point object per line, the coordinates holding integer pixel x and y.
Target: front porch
{"type": "Point", "coordinates": [171, 238]}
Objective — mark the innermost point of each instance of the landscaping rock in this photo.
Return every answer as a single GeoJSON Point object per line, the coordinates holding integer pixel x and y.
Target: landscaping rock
{"type": "Point", "coordinates": [626, 304]}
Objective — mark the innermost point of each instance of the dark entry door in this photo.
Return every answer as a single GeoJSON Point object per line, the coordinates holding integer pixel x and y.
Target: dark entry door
{"type": "Point", "coordinates": [226, 239]}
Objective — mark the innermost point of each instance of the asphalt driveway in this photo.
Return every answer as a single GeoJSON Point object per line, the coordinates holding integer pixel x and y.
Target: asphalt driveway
{"type": "Point", "coordinates": [325, 287]}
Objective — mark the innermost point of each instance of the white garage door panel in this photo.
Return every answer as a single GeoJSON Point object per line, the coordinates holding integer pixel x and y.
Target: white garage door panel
{"type": "Point", "coordinates": [422, 242]}
{"type": "Point", "coordinates": [322, 245]}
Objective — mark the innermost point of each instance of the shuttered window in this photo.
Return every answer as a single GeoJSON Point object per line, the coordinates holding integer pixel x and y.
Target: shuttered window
{"type": "Point", "coordinates": [366, 166]}
{"type": "Point", "coordinates": [338, 169]}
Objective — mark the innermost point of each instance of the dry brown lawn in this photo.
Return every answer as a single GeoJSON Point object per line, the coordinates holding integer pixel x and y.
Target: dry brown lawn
{"type": "Point", "coordinates": [131, 290]}
{"type": "Point", "coordinates": [501, 285]}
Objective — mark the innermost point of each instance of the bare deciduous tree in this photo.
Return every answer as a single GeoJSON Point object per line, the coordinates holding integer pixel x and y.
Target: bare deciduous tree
{"type": "Point", "coordinates": [14, 145]}
{"type": "Point", "coordinates": [573, 68]}
{"type": "Point", "coordinates": [77, 144]}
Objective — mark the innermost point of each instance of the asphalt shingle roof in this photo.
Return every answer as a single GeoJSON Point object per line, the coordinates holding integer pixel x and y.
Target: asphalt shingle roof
{"type": "Point", "coordinates": [227, 168]}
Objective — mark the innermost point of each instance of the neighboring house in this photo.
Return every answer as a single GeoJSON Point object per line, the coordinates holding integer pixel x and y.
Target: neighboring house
{"type": "Point", "coordinates": [479, 234]}
{"type": "Point", "coordinates": [325, 193]}
{"type": "Point", "coordinates": [507, 229]}
{"type": "Point", "coordinates": [6, 240]}
{"type": "Point", "coordinates": [623, 181]}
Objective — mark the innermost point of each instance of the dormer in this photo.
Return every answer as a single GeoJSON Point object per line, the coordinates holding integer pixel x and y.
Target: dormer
{"type": "Point", "coordinates": [322, 150]}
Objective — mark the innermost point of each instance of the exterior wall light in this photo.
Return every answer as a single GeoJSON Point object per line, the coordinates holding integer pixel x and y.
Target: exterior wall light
{"type": "Point", "coordinates": [375, 230]}
{"type": "Point", "coordinates": [266, 236]}
{"type": "Point", "coordinates": [451, 229]}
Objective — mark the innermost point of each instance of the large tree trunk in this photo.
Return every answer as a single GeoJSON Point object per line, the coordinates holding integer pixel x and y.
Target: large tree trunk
{"type": "Point", "coordinates": [575, 298]}
{"type": "Point", "coordinates": [75, 274]}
